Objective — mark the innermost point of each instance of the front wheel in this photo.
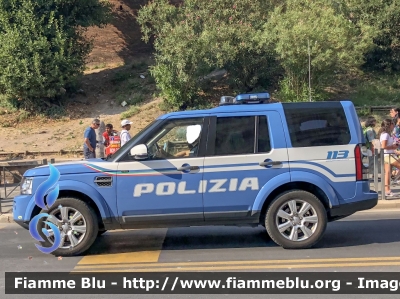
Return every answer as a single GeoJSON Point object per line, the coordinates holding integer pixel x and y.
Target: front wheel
{"type": "Point", "coordinates": [296, 220]}
{"type": "Point", "coordinates": [77, 223]}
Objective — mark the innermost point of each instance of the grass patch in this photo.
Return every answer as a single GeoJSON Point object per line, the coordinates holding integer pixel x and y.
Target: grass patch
{"type": "Point", "coordinates": [134, 99]}
{"type": "Point", "coordinates": [376, 91]}
{"type": "Point", "coordinates": [130, 87]}
{"type": "Point", "coordinates": [130, 112]}
{"type": "Point", "coordinates": [7, 105]}
{"type": "Point", "coordinates": [100, 66]}
{"type": "Point", "coordinates": [137, 98]}
{"type": "Point", "coordinates": [53, 112]}
{"type": "Point", "coordinates": [121, 76]}
{"type": "Point", "coordinates": [23, 115]}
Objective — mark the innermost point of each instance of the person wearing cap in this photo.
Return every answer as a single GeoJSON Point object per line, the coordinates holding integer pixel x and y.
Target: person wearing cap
{"type": "Point", "coordinates": [89, 146]}
{"type": "Point", "coordinates": [125, 136]}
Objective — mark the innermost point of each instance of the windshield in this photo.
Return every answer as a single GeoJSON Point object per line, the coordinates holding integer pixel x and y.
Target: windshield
{"type": "Point", "coordinates": [142, 132]}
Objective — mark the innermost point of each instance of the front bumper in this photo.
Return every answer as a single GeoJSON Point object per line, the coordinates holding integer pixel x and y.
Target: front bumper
{"type": "Point", "coordinates": [22, 210]}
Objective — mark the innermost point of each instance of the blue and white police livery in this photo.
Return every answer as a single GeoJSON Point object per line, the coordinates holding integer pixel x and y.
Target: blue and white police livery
{"type": "Point", "coordinates": [291, 167]}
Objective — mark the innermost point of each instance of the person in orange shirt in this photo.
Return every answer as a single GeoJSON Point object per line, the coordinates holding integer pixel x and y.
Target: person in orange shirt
{"type": "Point", "coordinates": [109, 132]}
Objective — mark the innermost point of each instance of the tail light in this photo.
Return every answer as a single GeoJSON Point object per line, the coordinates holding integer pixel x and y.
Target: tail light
{"type": "Point", "coordinates": [361, 159]}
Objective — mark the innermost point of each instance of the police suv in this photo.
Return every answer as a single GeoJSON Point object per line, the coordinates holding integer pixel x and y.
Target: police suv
{"type": "Point", "coordinates": [290, 167]}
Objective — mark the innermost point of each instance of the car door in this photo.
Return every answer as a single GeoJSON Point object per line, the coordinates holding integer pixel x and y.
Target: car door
{"type": "Point", "coordinates": [244, 152]}
{"type": "Point", "coordinates": [163, 189]}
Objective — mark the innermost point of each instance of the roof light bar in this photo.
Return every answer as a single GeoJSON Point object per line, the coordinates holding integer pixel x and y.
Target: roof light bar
{"type": "Point", "coordinates": [248, 98]}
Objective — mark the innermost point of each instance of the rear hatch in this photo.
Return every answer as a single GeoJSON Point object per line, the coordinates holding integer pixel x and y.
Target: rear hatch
{"type": "Point", "coordinates": [325, 138]}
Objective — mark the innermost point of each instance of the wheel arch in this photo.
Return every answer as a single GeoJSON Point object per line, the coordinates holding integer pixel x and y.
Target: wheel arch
{"type": "Point", "coordinates": [78, 195]}
{"type": "Point", "coordinates": [304, 186]}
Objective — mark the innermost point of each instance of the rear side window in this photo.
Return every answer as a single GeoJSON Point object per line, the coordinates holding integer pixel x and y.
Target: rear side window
{"type": "Point", "coordinates": [316, 124]}
{"type": "Point", "coordinates": [237, 135]}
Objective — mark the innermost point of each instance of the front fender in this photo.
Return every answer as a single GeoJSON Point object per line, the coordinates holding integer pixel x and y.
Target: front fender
{"type": "Point", "coordinates": [79, 187]}
{"type": "Point", "coordinates": [267, 189]}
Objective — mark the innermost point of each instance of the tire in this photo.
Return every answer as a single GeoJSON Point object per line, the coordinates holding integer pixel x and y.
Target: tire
{"type": "Point", "coordinates": [308, 233]}
{"type": "Point", "coordinates": [88, 219]}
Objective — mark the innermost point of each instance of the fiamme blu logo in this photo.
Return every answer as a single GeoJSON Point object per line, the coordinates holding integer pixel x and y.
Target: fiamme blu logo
{"type": "Point", "coordinates": [51, 188]}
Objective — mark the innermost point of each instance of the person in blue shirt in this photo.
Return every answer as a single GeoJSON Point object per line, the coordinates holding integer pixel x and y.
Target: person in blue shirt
{"type": "Point", "coordinates": [89, 146]}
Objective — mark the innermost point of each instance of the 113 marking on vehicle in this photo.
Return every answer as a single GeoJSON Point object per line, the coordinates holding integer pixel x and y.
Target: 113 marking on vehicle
{"type": "Point", "coordinates": [337, 155]}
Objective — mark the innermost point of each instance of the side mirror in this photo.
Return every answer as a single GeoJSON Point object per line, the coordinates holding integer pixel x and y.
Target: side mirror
{"type": "Point", "coordinates": [139, 152]}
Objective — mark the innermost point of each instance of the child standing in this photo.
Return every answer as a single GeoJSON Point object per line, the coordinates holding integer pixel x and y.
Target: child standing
{"type": "Point", "coordinates": [396, 140]}
{"type": "Point", "coordinates": [369, 132]}
{"type": "Point", "coordinates": [396, 131]}
{"type": "Point", "coordinates": [390, 151]}
{"type": "Point", "coordinates": [370, 135]}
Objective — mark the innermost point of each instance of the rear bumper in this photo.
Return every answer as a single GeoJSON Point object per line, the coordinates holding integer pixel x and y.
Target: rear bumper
{"type": "Point", "coordinates": [364, 199]}
{"type": "Point", "coordinates": [351, 208]}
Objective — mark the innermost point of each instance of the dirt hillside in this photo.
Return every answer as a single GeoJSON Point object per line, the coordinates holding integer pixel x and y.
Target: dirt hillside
{"type": "Point", "coordinates": [115, 71]}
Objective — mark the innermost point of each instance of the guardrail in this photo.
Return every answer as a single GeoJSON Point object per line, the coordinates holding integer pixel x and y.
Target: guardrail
{"type": "Point", "coordinates": [14, 180]}
{"type": "Point", "coordinates": [374, 108]}
{"type": "Point", "coordinates": [379, 173]}
{"type": "Point", "coordinates": [41, 153]}
{"type": "Point", "coordinates": [379, 162]}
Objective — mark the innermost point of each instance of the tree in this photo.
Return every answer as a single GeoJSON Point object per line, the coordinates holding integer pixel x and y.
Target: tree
{"type": "Point", "coordinates": [42, 45]}
{"type": "Point", "coordinates": [384, 17]}
{"type": "Point", "coordinates": [198, 36]}
{"type": "Point", "coordinates": [337, 45]}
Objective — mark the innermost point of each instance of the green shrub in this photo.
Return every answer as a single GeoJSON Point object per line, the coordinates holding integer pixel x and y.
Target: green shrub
{"type": "Point", "coordinates": [317, 31]}
{"type": "Point", "coordinates": [43, 47]}
{"type": "Point", "coordinates": [130, 112]}
{"type": "Point", "coordinates": [377, 90]}
{"type": "Point", "coordinates": [198, 36]}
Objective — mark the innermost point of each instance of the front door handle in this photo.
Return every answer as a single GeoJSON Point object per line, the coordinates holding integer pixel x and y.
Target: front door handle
{"type": "Point", "coordinates": [269, 163]}
{"type": "Point", "coordinates": [187, 168]}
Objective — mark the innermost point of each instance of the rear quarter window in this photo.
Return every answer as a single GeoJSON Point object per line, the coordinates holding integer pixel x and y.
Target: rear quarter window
{"type": "Point", "coordinates": [317, 124]}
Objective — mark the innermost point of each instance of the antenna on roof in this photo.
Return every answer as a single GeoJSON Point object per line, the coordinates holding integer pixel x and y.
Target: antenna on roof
{"type": "Point", "coordinates": [309, 69]}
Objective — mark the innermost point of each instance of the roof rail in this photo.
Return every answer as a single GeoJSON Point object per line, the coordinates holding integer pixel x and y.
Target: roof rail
{"type": "Point", "coordinates": [247, 98]}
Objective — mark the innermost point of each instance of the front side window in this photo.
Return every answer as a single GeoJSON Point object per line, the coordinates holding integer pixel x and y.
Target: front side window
{"type": "Point", "coordinates": [178, 138]}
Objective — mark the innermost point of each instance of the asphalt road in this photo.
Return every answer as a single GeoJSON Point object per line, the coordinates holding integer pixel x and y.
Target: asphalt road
{"type": "Point", "coordinates": [365, 242]}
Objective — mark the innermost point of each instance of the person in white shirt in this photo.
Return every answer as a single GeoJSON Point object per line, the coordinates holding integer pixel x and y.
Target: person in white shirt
{"type": "Point", "coordinates": [125, 136]}
{"type": "Point", "coordinates": [390, 151]}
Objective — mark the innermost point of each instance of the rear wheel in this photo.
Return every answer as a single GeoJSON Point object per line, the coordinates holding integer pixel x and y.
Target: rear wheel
{"type": "Point", "coordinates": [296, 220]}
{"type": "Point", "coordinates": [77, 223]}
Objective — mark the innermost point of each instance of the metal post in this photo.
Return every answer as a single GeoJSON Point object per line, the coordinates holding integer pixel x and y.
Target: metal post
{"type": "Point", "coordinates": [383, 174]}
{"type": "Point", "coordinates": [99, 137]}
{"type": "Point", "coordinates": [5, 187]}
{"type": "Point", "coordinates": [4, 182]}
{"type": "Point", "coordinates": [376, 172]}
{"type": "Point", "coordinates": [309, 69]}
{"type": "Point", "coordinates": [1, 212]}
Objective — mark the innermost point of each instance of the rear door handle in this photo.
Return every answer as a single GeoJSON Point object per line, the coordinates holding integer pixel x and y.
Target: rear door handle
{"type": "Point", "coordinates": [269, 163]}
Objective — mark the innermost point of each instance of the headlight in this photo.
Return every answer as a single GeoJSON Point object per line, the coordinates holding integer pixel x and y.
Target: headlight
{"type": "Point", "coordinates": [26, 185]}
